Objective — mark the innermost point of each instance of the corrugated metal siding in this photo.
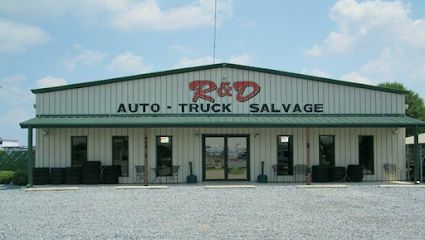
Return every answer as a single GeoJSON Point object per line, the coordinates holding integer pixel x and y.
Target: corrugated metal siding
{"type": "Point", "coordinates": [173, 89]}
{"type": "Point", "coordinates": [54, 150]}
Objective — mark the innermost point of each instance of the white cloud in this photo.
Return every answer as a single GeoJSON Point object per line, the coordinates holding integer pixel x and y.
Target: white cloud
{"type": "Point", "coordinates": [375, 23]}
{"type": "Point", "coordinates": [315, 51]}
{"type": "Point", "coordinates": [243, 59]}
{"type": "Point", "coordinates": [16, 37]}
{"type": "Point", "coordinates": [9, 123]}
{"type": "Point", "coordinates": [357, 77]}
{"type": "Point", "coordinates": [128, 63]}
{"type": "Point", "coordinates": [182, 50]}
{"type": "Point", "coordinates": [317, 72]}
{"type": "Point", "coordinates": [84, 57]}
{"type": "Point", "coordinates": [147, 14]}
{"type": "Point", "coordinates": [15, 92]}
{"type": "Point", "coordinates": [50, 81]}
{"type": "Point", "coordinates": [391, 42]}
{"type": "Point", "coordinates": [16, 106]}
{"type": "Point", "coordinates": [190, 62]}
{"type": "Point", "coordinates": [128, 15]}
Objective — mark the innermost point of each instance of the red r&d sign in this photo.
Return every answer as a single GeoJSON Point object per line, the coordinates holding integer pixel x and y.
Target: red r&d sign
{"type": "Point", "coordinates": [244, 90]}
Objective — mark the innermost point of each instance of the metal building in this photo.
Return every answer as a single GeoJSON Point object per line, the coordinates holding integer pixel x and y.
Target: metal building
{"type": "Point", "coordinates": [226, 119]}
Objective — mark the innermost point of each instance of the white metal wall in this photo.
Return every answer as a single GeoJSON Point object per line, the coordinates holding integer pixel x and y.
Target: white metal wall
{"type": "Point", "coordinates": [54, 149]}
{"type": "Point", "coordinates": [172, 89]}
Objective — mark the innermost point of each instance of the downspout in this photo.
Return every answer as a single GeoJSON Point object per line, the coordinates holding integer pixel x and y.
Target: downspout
{"type": "Point", "coordinates": [30, 159]}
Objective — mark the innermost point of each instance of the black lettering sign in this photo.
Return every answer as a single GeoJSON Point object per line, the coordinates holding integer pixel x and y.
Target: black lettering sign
{"type": "Point", "coordinates": [226, 107]}
{"type": "Point", "coordinates": [253, 107]}
{"type": "Point", "coordinates": [318, 108]}
{"type": "Point", "coordinates": [286, 107]}
{"type": "Point", "coordinates": [121, 108]}
{"type": "Point", "coordinates": [182, 106]}
{"type": "Point", "coordinates": [308, 108]}
{"type": "Point", "coordinates": [155, 107]}
{"type": "Point", "coordinates": [297, 108]}
{"type": "Point", "coordinates": [223, 108]}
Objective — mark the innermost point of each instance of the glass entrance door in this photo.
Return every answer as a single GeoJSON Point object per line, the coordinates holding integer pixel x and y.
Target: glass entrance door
{"type": "Point", "coordinates": [214, 158]}
{"type": "Point", "coordinates": [226, 158]}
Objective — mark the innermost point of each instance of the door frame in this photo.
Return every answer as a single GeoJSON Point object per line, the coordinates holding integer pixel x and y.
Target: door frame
{"type": "Point", "coordinates": [225, 136]}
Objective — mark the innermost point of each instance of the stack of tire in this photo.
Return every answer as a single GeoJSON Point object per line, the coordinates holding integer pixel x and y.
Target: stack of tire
{"type": "Point", "coordinates": [57, 176]}
{"type": "Point", "coordinates": [337, 174]}
{"type": "Point", "coordinates": [91, 172]}
{"type": "Point", "coordinates": [111, 174]}
{"type": "Point", "coordinates": [41, 176]}
{"type": "Point", "coordinates": [355, 173]}
{"type": "Point", "coordinates": [320, 173]}
{"type": "Point", "coordinates": [72, 175]}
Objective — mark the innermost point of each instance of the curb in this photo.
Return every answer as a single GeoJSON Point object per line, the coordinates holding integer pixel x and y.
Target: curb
{"type": "Point", "coordinates": [322, 186]}
{"type": "Point", "coordinates": [229, 186]}
{"type": "Point", "coordinates": [51, 189]}
{"type": "Point", "coordinates": [140, 187]}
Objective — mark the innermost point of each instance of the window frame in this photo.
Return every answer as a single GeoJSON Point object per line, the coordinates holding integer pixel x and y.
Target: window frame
{"type": "Point", "coordinates": [72, 151]}
{"type": "Point", "coordinates": [291, 148]}
{"type": "Point", "coordinates": [128, 155]}
{"type": "Point", "coordinates": [334, 151]}
{"type": "Point", "coordinates": [373, 154]}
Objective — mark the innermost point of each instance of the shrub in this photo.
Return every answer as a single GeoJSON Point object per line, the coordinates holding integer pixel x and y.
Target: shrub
{"type": "Point", "coordinates": [20, 178]}
{"type": "Point", "coordinates": [6, 177]}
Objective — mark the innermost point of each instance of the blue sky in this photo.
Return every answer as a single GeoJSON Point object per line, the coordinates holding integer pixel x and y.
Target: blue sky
{"type": "Point", "coordinates": [49, 42]}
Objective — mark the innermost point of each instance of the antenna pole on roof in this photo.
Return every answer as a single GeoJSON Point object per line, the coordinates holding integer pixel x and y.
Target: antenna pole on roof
{"type": "Point", "coordinates": [215, 27]}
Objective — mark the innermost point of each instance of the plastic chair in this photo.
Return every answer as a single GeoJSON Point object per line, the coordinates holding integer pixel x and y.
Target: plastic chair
{"type": "Point", "coordinates": [175, 173]}
{"type": "Point", "coordinates": [299, 169]}
{"type": "Point", "coordinates": [274, 167]}
{"type": "Point", "coordinates": [162, 173]}
{"type": "Point", "coordinates": [140, 172]}
{"type": "Point", "coordinates": [389, 169]}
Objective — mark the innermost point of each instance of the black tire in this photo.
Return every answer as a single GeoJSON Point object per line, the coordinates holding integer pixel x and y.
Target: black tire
{"type": "Point", "coordinates": [111, 180]}
{"type": "Point", "coordinates": [92, 164]}
{"type": "Point", "coordinates": [111, 170]}
{"type": "Point", "coordinates": [72, 170]}
{"type": "Point", "coordinates": [41, 180]}
{"type": "Point", "coordinates": [73, 175]}
{"type": "Point", "coordinates": [90, 175]}
{"type": "Point", "coordinates": [91, 181]}
{"type": "Point", "coordinates": [320, 173]}
{"type": "Point", "coordinates": [57, 176]}
{"type": "Point", "coordinates": [337, 174]}
{"type": "Point", "coordinates": [73, 180]}
{"type": "Point", "coordinates": [355, 173]}
{"type": "Point", "coordinates": [41, 176]}
{"type": "Point", "coordinates": [57, 181]}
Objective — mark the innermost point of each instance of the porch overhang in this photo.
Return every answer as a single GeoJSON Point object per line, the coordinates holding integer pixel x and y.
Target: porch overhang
{"type": "Point", "coordinates": [222, 121]}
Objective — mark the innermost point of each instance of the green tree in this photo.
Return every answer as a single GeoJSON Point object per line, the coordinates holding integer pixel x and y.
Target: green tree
{"type": "Point", "coordinates": [416, 106]}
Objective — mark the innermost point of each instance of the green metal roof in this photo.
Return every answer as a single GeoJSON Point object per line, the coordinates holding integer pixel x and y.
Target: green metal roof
{"type": "Point", "coordinates": [224, 121]}
{"type": "Point", "coordinates": [213, 66]}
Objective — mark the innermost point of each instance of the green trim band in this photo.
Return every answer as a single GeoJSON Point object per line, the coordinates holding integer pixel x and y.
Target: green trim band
{"type": "Point", "coordinates": [224, 121]}
{"type": "Point", "coordinates": [213, 66]}
{"type": "Point", "coordinates": [131, 115]}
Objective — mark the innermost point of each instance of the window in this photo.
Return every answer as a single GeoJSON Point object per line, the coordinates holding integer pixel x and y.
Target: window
{"type": "Point", "coordinates": [78, 150]}
{"type": "Point", "coordinates": [327, 150]}
{"type": "Point", "coordinates": [366, 154]}
{"type": "Point", "coordinates": [164, 153]}
{"type": "Point", "coordinates": [285, 160]}
{"type": "Point", "coordinates": [120, 154]}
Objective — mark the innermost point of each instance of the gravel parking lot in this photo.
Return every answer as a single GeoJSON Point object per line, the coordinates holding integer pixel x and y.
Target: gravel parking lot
{"type": "Point", "coordinates": [192, 212]}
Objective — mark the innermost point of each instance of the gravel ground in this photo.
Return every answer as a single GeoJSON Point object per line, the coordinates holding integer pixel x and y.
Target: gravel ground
{"type": "Point", "coordinates": [192, 212]}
